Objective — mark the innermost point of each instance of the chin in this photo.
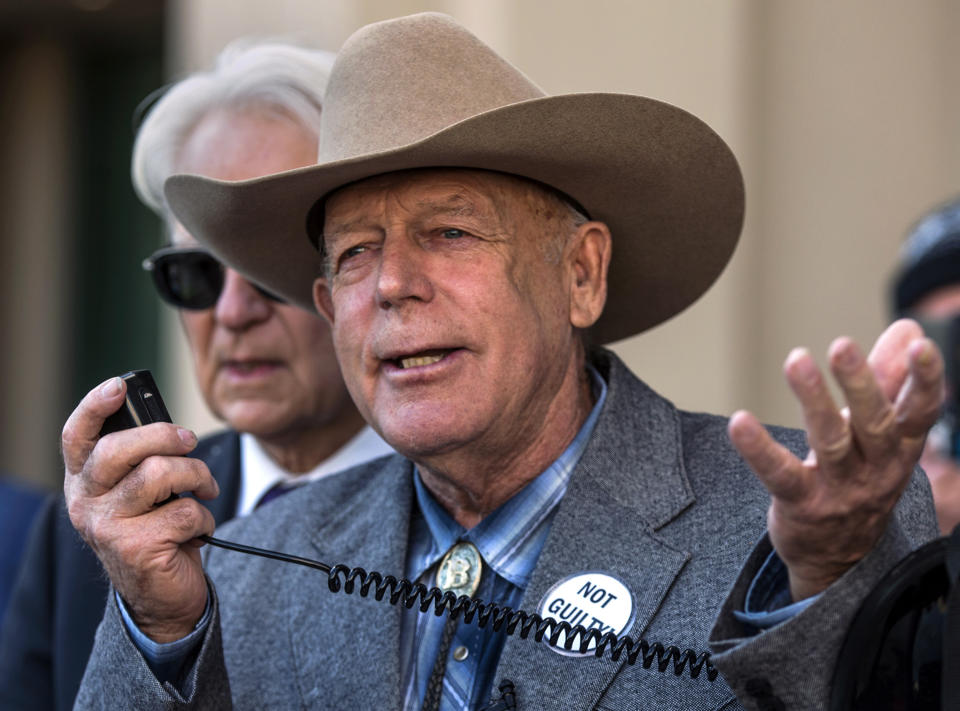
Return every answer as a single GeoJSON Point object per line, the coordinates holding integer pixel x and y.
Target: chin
{"type": "Point", "coordinates": [421, 442]}
{"type": "Point", "coordinates": [260, 421]}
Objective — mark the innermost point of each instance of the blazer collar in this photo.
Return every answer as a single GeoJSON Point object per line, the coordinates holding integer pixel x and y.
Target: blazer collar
{"type": "Point", "coordinates": [638, 439]}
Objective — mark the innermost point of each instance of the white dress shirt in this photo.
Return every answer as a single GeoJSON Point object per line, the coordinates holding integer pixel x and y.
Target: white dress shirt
{"type": "Point", "coordinates": [259, 472]}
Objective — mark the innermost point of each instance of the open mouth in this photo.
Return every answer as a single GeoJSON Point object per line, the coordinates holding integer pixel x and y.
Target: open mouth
{"type": "Point", "coordinates": [417, 360]}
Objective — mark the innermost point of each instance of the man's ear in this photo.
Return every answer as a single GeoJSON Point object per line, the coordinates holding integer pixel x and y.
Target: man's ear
{"type": "Point", "coordinates": [589, 259]}
{"type": "Point", "coordinates": [322, 300]}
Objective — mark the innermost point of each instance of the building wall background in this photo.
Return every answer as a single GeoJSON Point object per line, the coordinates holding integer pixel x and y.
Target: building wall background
{"type": "Point", "coordinates": [844, 115]}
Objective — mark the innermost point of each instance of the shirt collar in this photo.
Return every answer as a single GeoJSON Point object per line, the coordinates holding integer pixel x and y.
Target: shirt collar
{"type": "Point", "coordinates": [259, 472]}
{"type": "Point", "coordinates": [511, 537]}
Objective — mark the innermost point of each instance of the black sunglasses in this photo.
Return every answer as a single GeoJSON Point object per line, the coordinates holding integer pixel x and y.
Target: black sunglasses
{"type": "Point", "coordinates": [189, 277]}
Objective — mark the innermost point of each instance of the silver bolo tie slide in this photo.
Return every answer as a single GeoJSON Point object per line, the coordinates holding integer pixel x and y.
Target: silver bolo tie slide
{"type": "Point", "coordinates": [460, 569]}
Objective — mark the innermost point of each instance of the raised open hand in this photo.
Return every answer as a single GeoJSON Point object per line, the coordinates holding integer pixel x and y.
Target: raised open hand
{"type": "Point", "coordinates": [829, 510]}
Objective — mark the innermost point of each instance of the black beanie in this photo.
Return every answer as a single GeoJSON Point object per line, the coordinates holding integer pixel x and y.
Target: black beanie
{"type": "Point", "coordinates": [929, 259]}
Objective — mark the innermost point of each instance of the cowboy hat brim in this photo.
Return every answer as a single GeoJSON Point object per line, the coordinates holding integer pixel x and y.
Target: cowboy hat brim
{"type": "Point", "coordinates": [667, 186]}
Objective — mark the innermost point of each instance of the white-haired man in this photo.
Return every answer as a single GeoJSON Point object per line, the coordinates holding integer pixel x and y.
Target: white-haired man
{"type": "Point", "coordinates": [463, 226]}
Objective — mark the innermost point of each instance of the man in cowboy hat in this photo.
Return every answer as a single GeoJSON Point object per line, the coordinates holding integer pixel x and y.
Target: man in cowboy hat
{"type": "Point", "coordinates": [461, 226]}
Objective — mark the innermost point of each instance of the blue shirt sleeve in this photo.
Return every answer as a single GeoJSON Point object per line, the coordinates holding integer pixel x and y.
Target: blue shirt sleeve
{"type": "Point", "coordinates": [165, 660]}
{"type": "Point", "coordinates": [768, 601]}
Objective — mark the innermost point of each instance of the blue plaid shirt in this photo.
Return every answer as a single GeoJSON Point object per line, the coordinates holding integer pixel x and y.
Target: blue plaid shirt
{"type": "Point", "coordinates": [509, 541]}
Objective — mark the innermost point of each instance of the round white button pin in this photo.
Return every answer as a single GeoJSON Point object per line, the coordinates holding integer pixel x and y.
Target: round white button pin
{"type": "Point", "coordinates": [594, 600]}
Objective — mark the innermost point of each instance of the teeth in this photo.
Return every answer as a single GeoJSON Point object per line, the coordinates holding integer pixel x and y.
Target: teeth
{"type": "Point", "coordinates": [418, 361]}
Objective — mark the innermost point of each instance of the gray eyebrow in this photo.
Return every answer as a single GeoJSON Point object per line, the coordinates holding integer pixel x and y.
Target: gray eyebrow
{"type": "Point", "coordinates": [455, 205]}
{"type": "Point", "coordinates": [351, 226]}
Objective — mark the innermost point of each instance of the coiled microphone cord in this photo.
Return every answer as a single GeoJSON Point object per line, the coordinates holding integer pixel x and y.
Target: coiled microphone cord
{"type": "Point", "coordinates": [402, 591]}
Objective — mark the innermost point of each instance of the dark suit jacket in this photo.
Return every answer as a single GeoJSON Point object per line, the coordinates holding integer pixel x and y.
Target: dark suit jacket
{"type": "Point", "coordinates": [659, 499]}
{"type": "Point", "coordinates": [59, 595]}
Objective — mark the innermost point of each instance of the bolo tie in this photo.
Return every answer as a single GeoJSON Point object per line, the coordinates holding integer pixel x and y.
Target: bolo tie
{"type": "Point", "coordinates": [459, 572]}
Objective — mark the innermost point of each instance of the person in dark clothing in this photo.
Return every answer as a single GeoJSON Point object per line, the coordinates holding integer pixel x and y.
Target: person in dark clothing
{"type": "Point", "coordinates": [926, 287]}
{"type": "Point", "coordinates": [19, 503]}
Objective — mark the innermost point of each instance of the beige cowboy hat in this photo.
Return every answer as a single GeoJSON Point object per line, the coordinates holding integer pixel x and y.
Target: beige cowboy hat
{"type": "Point", "coordinates": [421, 91]}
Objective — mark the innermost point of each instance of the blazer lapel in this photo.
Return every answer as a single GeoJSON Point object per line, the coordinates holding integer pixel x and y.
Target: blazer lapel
{"type": "Point", "coordinates": [367, 665]}
{"type": "Point", "coordinates": [629, 482]}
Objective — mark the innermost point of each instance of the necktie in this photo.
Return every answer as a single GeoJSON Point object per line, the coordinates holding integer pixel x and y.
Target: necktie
{"type": "Point", "coordinates": [275, 491]}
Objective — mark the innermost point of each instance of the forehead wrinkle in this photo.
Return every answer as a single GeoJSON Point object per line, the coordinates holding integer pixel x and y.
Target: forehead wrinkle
{"type": "Point", "coordinates": [489, 201]}
{"type": "Point", "coordinates": [453, 205]}
{"type": "Point", "coordinates": [456, 205]}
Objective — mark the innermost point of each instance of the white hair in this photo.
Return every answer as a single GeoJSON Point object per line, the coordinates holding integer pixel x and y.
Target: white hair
{"type": "Point", "coordinates": [274, 75]}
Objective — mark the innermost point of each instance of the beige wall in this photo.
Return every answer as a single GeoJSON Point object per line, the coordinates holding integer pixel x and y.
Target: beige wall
{"type": "Point", "coordinates": [858, 136]}
{"type": "Point", "coordinates": [844, 114]}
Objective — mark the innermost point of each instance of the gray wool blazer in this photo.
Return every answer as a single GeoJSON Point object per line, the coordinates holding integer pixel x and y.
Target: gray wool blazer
{"type": "Point", "coordinates": [660, 499]}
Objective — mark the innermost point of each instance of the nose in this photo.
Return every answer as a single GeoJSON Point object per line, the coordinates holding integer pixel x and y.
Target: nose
{"type": "Point", "coordinates": [240, 305]}
{"type": "Point", "coordinates": [402, 273]}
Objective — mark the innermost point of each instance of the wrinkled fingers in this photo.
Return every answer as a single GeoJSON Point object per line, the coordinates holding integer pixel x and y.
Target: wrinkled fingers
{"type": "Point", "coordinates": [872, 417]}
{"type": "Point", "coordinates": [156, 479]}
{"type": "Point", "coordinates": [828, 431]}
{"type": "Point", "coordinates": [779, 470]}
{"type": "Point", "coordinates": [82, 428]}
{"type": "Point", "coordinates": [178, 522]}
{"type": "Point", "coordinates": [137, 508]}
{"type": "Point", "coordinates": [888, 357]}
{"type": "Point", "coordinates": [117, 454]}
{"type": "Point", "coordinates": [918, 405]}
